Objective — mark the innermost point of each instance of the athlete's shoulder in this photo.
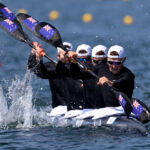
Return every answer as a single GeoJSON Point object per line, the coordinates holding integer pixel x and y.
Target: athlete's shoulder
{"type": "Point", "coordinates": [127, 71]}
{"type": "Point", "coordinates": [49, 66]}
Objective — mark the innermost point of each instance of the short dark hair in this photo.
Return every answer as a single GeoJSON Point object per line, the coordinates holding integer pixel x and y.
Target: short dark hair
{"type": "Point", "coordinates": [82, 51]}
{"type": "Point", "coordinates": [100, 53]}
{"type": "Point", "coordinates": [114, 53]}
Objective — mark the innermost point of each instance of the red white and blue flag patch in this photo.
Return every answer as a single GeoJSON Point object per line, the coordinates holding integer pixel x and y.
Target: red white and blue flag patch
{"type": "Point", "coordinates": [7, 13]}
{"type": "Point", "coordinates": [9, 25]}
{"type": "Point", "coordinates": [47, 31]}
{"type": "Point", "coordinates": [137, 108]}
{"type": "Point", "coordinates": [31, 23]}
{"type": "Point", "coordinates": [122, 101]}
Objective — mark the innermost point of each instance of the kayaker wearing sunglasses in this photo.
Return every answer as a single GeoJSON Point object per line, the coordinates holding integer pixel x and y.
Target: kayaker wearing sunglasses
{"type": "Point", "coordinates": [84, 53]}
{"type": "Point", "coordinates": [99, 54]}
{"type": "Point", "coordinates": [90, 90]}
{"type": "Point", "coordinates": [115, 74]}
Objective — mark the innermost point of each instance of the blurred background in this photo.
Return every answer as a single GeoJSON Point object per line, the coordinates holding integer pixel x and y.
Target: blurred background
{"type": "Point", "coordinates": [93, 22]}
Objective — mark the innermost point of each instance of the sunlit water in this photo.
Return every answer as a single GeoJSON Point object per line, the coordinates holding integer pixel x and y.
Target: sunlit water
{"type": "Point", "coordinates": [25, 99]}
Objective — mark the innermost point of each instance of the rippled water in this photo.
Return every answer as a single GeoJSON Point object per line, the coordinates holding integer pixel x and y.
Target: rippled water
{"type": "Point", "coordinates": [25, 99]}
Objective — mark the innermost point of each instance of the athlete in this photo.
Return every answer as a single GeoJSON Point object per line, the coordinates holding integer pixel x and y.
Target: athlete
{"type": "Point", "coordinates": [74, 87]}
{"type": "Point", "coordinates": [115, 74]}
{"type": "Point", "coordinates": [48, 71]}
{"type": "Point", "coordinates": [91, 95]}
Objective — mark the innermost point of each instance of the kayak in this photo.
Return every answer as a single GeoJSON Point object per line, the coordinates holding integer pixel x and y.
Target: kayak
{"type": "Point", "coordinates": [109, 117]}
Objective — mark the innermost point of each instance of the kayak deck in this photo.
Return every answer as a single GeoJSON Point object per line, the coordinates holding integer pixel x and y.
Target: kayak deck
{"type": "Point", "coordinates": [112, 118]}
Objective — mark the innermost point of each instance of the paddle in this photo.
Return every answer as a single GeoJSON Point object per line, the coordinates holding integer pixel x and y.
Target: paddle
{"type": "Point", "coordinates": [13, 27]}
{"type": "Point", "coordinates": [142, 114]}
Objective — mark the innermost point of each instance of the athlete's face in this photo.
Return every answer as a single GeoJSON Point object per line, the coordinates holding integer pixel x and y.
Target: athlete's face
{"type": "Point", "coordinates": [115, 64]}
{"type": "Point", "coordinates": [85, 59]}
{"type": "Point", "coordinates": [96, 60]}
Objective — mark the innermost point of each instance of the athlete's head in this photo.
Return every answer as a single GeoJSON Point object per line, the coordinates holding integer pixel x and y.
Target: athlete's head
{"type": "Point", "coordinates": [84, 53]}
{"type": "Point", "coordinates": [68, 45]}
{"type": "Point", "coordinates": [99, 54]}
{"type": "Point", "coordinates": [61, 53]}
{"type": "Point", "coordinates": [115, 58]}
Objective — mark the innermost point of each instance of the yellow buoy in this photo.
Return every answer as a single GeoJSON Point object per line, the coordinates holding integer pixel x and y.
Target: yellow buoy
{"type": "Point", "coordinates": [128, 19]}
{"type": "Point", "coordinates": [87, 17]}
{"type": "Point", "coordinates": [22, 11]}
{"type": "Point", "coordinates": [53, 15]}
{"type": "Point", "coordinates": [126, 0]}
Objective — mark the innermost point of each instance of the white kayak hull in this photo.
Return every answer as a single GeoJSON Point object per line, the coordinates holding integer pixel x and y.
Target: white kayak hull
{"type": "Point", "coordinates": [112, 118]}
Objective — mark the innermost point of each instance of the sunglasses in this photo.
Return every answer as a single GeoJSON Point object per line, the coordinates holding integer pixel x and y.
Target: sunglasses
{"type": "Point", "coordinates": [99, 61]}
{"type": "Point", "coordinates": [116, 63]}
{"type": "Point", "coordinates": [85, 59]}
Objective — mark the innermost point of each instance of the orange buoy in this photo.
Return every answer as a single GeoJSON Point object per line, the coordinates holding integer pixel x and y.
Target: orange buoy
{"type": "Point", "coordinates": [128, 20]}
{"type": "Point", "coordinates": [22, 11]}
{"type": "Point", "coordinates": [53, 15]}
{"type": "Point", "coordinates": [87, 17]}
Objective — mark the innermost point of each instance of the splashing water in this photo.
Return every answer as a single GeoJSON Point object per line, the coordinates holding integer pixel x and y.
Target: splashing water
{"type": "Point", "coordinates": [21, 106]}
{"type": "Point", "coordinates": [21, 113]}
{"type": "Point", "coordinates": [20, 110]}
{"type": "Point", "coordinates": [3, 105]}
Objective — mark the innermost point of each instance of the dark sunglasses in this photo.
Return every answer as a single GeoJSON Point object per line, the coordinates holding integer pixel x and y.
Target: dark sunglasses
{"type": "Point", "coordinates": [85, 59]}
{"type": "Point", "coordinates": [116, 63]}
{"type": "Point", "coordinates": [99, 61]}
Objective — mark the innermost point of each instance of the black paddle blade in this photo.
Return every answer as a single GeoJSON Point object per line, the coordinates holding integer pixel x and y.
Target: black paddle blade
{"type": "Point", "coordinates": [124, 101]}
{"type": "Point", "coordinates": [28, 22]}
{"type": "Point", "coordinates": [50, 34]}
{"type": "Point", "coordinates": [141, 111]}
{"type": "Point", "coordinates": [6, 12]}
{"type": "Point", "coordinates": [13, 29]}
